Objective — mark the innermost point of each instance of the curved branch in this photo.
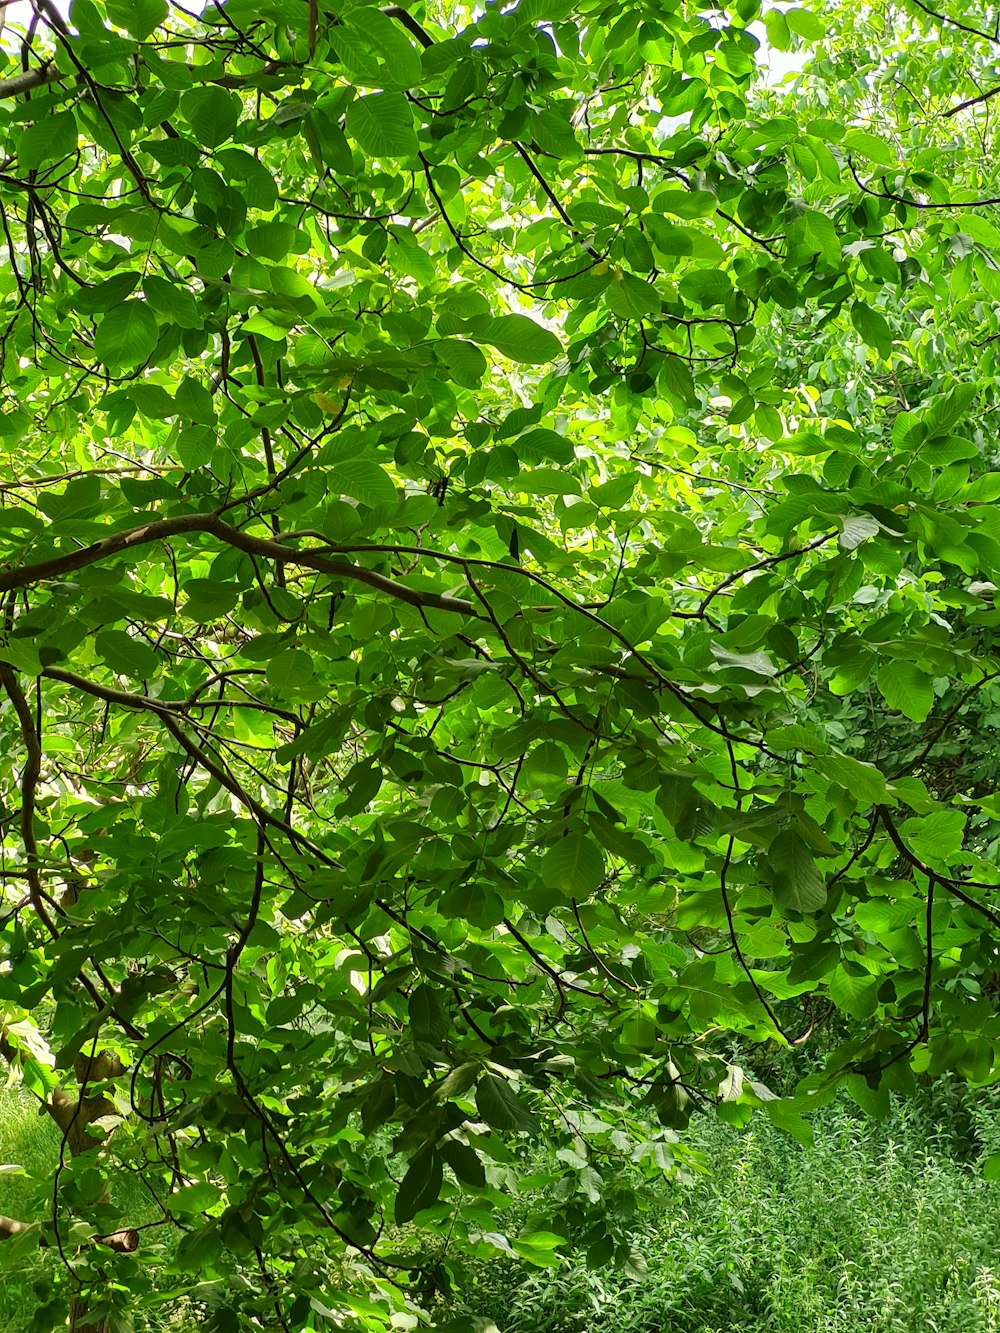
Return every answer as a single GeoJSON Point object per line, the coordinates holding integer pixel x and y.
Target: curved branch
{"type": "Point", "coordinates": [766, 563]}
{"type": "Point", "coordinates": [29, 784]}
{"type": "Point", "coordinates": [23, 576]}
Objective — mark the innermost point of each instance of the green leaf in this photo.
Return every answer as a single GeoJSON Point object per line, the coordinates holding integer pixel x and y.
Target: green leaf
{"type": "Point", "coordinates": [126, 336]}
{"type": "Point", "coordinates": [873, 1101]}
{"type": "Point", "coordinates": [632, 298]}
{"type": "Point", "coordinates": [139, 18]}
{"type": "Point", "coordinates": [547, 481]}
{"type": "Point", "coordinates": [855, 529]}
{"type": "Point", "coordinates": [195, 446]}
{"type": "Point", "coordinates": [819, 232]}
{"type": "Point", "coordinates": [519, 338]}
{"type": "Point", "coordinates": [906, 688]}
{"type": "Point", "coordinates": [795, 877]}
{"type": "Point", "coordinates": [804, 23]}
{"type": "Point", "coordinates": [363, 480]}
{"type": "Point", "coordinates": [47, 140]}
{"type": "Point", "coordinates": [854, 992]}
{"type": "Point", "coordinates": [419, 1187]}
{"type": "Point", "coordinates": [573, 864]}
{"type": "Point", "coordinates": [867, 145]}
{"type": "Point", "coordinates": [400, 62]}
{"type": "Point", "coordinates": [126, 655]}
{"type": "Point", "coordinates": [937, 836]}
{"type": "Point", "coordinates": [381, 124]}
{"type": "Point", "coordinates": [863, 781]}
{"type": "Point", "coordinates": [873, 328]}
{"type": "Point", "coordinates": [538, 1247]}
{"type": "Point", "coordinates": [500, 1106]}
{"type": "Point", "coordinates": [212, 113]}
{"type": "Point", "coordinates": [428, 1016]}
{"type": "Point", "coordinates": [686, 203]}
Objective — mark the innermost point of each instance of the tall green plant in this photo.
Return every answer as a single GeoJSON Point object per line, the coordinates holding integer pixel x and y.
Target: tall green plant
{"type": "Point", "coordinates": [498, 537]}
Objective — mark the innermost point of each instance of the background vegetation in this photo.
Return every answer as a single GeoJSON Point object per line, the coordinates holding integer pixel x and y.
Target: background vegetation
{"type": "Point", "coordinates": [499, 552]}
{"type": "Point", "coordinates": [879, 1227]}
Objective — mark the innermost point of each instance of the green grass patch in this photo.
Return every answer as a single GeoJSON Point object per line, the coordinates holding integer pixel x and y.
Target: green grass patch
{"type": "Point", "coordinates": [875, 1229]}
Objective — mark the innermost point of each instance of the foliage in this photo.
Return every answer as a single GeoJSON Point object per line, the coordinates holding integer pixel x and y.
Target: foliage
{"type": "Point", "coordinates": [498, 552]}
{"type": "Point", "coordinates": [867, 1230]}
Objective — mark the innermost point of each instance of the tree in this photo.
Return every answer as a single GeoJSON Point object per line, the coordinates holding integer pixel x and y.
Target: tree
{"type": "Point", "coordinates": [498, 553]}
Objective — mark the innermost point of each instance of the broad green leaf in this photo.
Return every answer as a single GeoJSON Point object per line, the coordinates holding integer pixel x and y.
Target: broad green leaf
{"type": "Point", "coordinates": [795, 877]}
{"type": "Point", "coordinates": [906, 688]}
{"type": "Point", "coordinates": [863, 780]}
{"type": "Point", "coordinates": [48, 140]}
{"type": "Point", "coordinates": [363, 480]}
{"type": "Point", "coordinates": [873, 328]}
{"type": "Point", "coordinates": [938, 835]}
{"type": "Point", "coordinates": [419, 1187]}
{"type": "Point", "coordinates": [855, 529]}
{"type": "Point", "coordinates": [870, 146]}
{"type": "Point", "coordinates": [500, 1106]}
{"type": "Point", "coordinates": [381, 124]}
{"type": "Point", "coordinates": [519, 338]}
{"type": "Point", "coordinates": [854, 992]}
{"type": "Point", "coordinates": [139, 18]}
{"type": "Point", "coordinates": [574, 865]}
{"type": "Point", "coordinates": [212, 113]}
{"type": "Point", "coordinates": [126, 336]}
{"type": "Point", "coordinates": [804, 23]}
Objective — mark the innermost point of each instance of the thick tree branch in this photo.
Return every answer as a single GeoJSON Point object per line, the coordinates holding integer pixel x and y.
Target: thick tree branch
{"type": "Point", "coordinates": [972, 101]}
{"type": "Point", "coordinates": [29, 79]}
{"type": "Point", "coordinates": [24, 576]}
{"type": "Point", "coordinates": [29, 784]}
{"type": "Point", "coordinates": [122, 1242]}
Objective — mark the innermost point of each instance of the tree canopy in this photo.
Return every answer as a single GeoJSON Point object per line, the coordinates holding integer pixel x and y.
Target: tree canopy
{"type": "Point", "coordinates": [498, 548]}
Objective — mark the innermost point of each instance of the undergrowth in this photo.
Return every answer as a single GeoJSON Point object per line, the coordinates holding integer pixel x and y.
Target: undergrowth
{"type": "Point", "coordinates": [876, 1228]}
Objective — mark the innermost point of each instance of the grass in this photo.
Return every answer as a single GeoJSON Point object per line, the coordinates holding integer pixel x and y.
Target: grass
{"type": "Point", "coordinates": [32, 1141]}
{"type": "Point", "coordinates": [875, 1229]}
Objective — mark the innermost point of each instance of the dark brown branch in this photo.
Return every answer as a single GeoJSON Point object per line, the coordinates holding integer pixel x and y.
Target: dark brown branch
{"type": "Point", "coordinates": [404, 17]}
{"type": "Point", "coordinates": [953, 887]}
{"type": "Point", "coordinates": [947, 22]}
{"type": "Point", "coordinates": [29, 785]}
{"type": "Point", "coordinates": [914, 203]}
{"type": "Point", "coordinates": [23, 576]}
{"type": "Point", "coordinates": [972, 101]}
{"type": "Point", "coordinates": [766, 563]}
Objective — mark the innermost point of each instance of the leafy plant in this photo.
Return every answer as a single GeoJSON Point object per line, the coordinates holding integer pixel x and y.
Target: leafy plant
{"type": "Point", "coordinates": [498, 550]}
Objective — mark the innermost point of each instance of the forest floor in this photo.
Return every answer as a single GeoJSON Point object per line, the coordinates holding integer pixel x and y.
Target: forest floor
{"type": "Point", "coordinates": [876, 1228]}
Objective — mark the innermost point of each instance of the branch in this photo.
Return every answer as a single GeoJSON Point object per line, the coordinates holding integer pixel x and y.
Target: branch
{"type": "Point", "coordinates": [410, 23]}
{"type": "Point", "coordinates": [29, 784]}
{"type": "Point", "coordinates": [23, 576]}
{"type": "Point", "coordinates": [947, 22]}
{"type": "Point", "coordinates": [971, 101]}
{"type": "Point", "coordinates": [951, 885]}
{"type": "Point", "coordinates": [949, 719]}
{"type": "Point", "coordinates": [768, 242]}
{"type": "Point", "coordinates": [914, 203]}
{"type": "Point", "coordinates": [122, 1242]}
{"type": "Point", "coordinates": [200, 756]}
{"type": "Point", "coordinates": [30, 78]}
{"type": "Point", "coordinates": [767, 563]}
